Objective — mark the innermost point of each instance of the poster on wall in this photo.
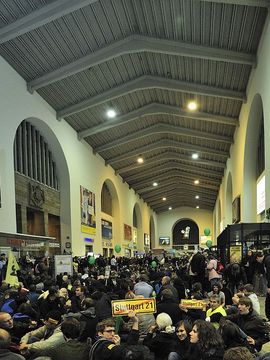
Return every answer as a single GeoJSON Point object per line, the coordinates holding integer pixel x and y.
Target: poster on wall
{"type": "Point", "coordinates": [63, 264]}
{"type": "Point", "coordinates": [146, 239]}
{"type": "Point", "coordinates": [106, 229]}
{"type": "Point", "coordinates": [236, 253]}
{"type": "Point", "coordinates": [164, 240]}
{"type": "Point", "coordinates": [261, 195]}
{"type": "Point", "coordinates": [127, 232]}
{"type": "Point", "coordinates": [88, 211]}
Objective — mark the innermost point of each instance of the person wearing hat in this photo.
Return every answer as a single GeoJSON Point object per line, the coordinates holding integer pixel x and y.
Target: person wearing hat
{"type": "Point", "coordinates": [161, 337]}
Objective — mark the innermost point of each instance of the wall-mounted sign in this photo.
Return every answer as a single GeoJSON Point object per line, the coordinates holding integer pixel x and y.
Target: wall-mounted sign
{"type": "Point", "coordinates": [127, 232]}
{"type": "Point", "coordinates": [261, 195]}
{"type": "Point", "coordinates": [236, 212]}
{"type": "Point", "coordinates": [88, 211]}
{"type": "Point", "coordinates": [106, 229]}
{"type": "Point", "coordinates": [63, 264]}
{"type": "Point", "coordinates": [164, 240]}
{"type": "Point", "coordinates": [146, 239]}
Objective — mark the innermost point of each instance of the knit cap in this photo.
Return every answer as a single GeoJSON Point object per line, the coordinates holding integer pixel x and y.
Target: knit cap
{"type": "Point", "coordinates": [164, 322]}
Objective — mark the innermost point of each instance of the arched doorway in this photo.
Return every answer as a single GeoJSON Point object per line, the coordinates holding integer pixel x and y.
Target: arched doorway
{"type": "Point", "coordinates": [228, 201]}
{"type": "Point", "coordinates": [152, 233]}
{"type": "Point", "coordinates": [254, 161]}
{"type": "Point", "coordinates": [110, 227]}
{"type": "Point", "coordinates": [185, 235]}
{"type": "Point", "coordinates": [137, 233]}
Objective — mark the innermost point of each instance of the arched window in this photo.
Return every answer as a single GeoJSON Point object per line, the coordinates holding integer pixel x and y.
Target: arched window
{"type": "Point", "coordinates": [106, 200]}
{"type": "Point", "coordinates": [260, 151]}
{"type": "Point", "coordinates": [32, 156]}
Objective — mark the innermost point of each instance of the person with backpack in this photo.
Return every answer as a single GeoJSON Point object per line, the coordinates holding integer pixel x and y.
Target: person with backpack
{"type": "Point", "coordinates": [213, 275]}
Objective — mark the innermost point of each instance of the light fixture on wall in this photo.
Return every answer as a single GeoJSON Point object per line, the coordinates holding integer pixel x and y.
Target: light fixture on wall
{"type": "Point", "coordinates": [155, 184]}
{"type": "Point", "coordinates": [196, 182]}
{"type": "Point", "coordinates": [164, 199]}
{"type": "Point", "coordinates": [170, 208]}
{"type": "Point", "coordinates": [197, 197]}
{"type": "Point", "coordinates": [195, 156]}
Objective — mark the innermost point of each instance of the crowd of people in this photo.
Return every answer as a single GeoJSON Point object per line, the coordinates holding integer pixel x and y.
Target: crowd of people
{"type": "Point", "coordinates": [70, 316]}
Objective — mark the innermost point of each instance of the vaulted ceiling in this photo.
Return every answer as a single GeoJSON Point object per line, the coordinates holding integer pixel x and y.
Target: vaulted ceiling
{"type": "Point", "coordinates": [146, 59]}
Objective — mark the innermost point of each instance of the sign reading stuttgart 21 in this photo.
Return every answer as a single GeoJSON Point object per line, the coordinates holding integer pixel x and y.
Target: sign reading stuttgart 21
{"type": "Point", "coordinates": [141, 306]}
{"type": "Point", "coordinates": [88, 211]}
{"type": "Point", "coordinates": [194, 304]}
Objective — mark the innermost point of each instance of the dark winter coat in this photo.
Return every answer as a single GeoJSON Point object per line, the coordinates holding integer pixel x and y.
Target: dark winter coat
{"type": "Point", "coordinates": [161, 344]}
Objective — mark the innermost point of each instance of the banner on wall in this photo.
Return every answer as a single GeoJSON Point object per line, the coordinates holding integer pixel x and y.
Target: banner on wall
{"type": "Point", "coordinates": [106, 229]}
{"type": "Point", "coordinates": [127, 232]}
{"type": "Point", "coordinates": [88, 211]}
{"type": "Point", "coordinates": [63, 264]}
{"type": "Point", "coordinates": [146, 239]}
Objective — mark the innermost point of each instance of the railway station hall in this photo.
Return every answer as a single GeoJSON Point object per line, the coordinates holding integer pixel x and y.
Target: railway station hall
{"type": "Point", "coordinates": [130, 126]}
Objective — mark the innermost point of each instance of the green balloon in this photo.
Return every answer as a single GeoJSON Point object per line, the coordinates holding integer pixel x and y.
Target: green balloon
{"type": "Point", "coordinates": [91, 260]}
{"type": "Point", "coordinates": [207, 231]}
{"type": "Point", "coordinates": [209, 243]}
{"type": "Point", "coordinates": [117, 248]}
{"type": "Point", "coordinates": [153, 264]}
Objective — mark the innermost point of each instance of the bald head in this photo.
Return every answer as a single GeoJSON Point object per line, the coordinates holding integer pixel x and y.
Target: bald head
{"type": "Point", "coordinates": [165, 280]}
{"type": "Point", "coordinates": [6, 321]}
{"type": "Point", "coordinates": [5, 339]}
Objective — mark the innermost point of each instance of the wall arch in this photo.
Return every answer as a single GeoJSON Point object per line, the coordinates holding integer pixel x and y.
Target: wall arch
{"type": "Point", "coordinates": [138, 214]}
{"type": "Point", "coordinates": [185, 231]}
{"type": "Point", "coordinates": [152, 232]}
{"type": "Point", "coordinates": [218, 223]}
{"type": "Point", "coordinates": [254, 123]}
{"type": "Point", "coordinates": [63, 176]}
{"type": "Point", "coordinates": [114, 218]}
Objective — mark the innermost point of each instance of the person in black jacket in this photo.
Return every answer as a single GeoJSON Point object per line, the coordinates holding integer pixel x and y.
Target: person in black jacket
{"type": "Point", "coordinates": [197, 265]}
{"type": "Point", "coordinates": [161, 337]}
{"type": "Point", "coordinates": [108, 344]}
{"type": "Point", "coordinates": [169, 306]}
{"type": "Point", "coordinates": [182, 342]}
{"type": "Point", "coordinates": [206, 342]}
{"type": "Point", "coordinates": [255, 328]}
{"type": "Point", "coordinates": [265, 260]}
{"type": "Point", "coordinates": [235, 276]}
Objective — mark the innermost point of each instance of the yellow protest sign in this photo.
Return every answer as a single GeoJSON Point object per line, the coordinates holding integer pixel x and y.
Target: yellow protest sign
{"type": "Point", "coordinates": [194, 304]}
{"type": "Point", "coordinates": [141, 306]}
{"type": "Point", "coordinates": [11, 275]}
